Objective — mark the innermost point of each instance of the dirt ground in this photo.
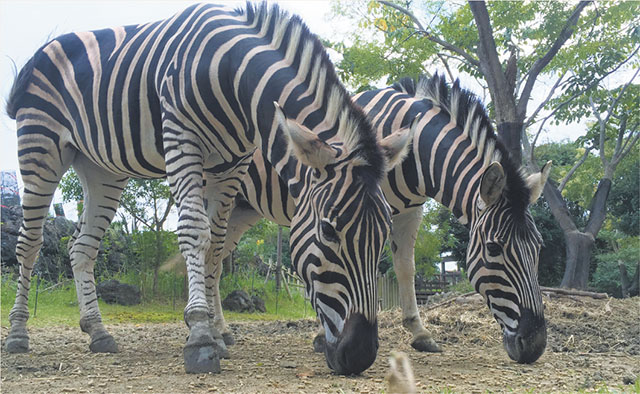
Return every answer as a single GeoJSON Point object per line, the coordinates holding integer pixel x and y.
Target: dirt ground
{"type": "Point", "coordinates": [591, 344]}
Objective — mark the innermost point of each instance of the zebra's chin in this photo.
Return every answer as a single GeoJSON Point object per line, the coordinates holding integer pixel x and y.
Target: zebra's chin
{"type": "Point", "coordinates": [528, 343]}
{"type": "Point", "coordinates": [356, 347]}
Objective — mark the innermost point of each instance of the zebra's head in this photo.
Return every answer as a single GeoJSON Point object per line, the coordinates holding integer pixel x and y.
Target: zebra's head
{"type": "Point", "coordinates": [502, 258]}
{"type": "Point", "coordinates": [338, 230]}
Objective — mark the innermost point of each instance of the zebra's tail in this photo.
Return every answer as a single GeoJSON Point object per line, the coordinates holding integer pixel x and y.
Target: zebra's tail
{"type": "Point", "coordinates": [19, 88]}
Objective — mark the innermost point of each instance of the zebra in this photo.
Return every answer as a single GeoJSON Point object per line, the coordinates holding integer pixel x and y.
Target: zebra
{"type": "Point", "coordinates": [190, 98]}
{"type": "Point", "coordinates": [458, 161]}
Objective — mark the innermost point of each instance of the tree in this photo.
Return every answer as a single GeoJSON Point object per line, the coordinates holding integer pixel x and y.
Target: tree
{"type": "Point", "coordinates": [147, 202]}
{"type": "Point", "coordinates": [509, 45]}
{"type": "Point", "coordinates": [613, 135]}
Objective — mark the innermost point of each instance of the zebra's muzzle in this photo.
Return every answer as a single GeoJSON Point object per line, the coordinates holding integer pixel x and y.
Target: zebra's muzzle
{"type": "Point", "coordinates": [528, 343]}
{"type": "Point", "coordinates": [356, 347]}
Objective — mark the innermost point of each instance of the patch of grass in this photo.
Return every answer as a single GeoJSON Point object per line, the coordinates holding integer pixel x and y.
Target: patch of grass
{"type": "Point", "coordinates": [59, 306]}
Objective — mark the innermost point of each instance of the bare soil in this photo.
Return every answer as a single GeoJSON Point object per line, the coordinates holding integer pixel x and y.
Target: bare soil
{"type": "Point", "coordinates": [591, 344]}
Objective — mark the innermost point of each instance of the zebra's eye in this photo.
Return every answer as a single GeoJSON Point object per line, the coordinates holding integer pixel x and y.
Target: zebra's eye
{"type": "Point", "coordinates": [328, 232]}
{"type": "Point", "coordinates": [494, 249]}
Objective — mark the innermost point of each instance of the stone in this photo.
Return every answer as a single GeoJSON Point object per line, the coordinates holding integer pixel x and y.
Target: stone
{"type": "Point", "coordinates": [114, 292]}
{"type": "Point", "coordinates": [240, 301]}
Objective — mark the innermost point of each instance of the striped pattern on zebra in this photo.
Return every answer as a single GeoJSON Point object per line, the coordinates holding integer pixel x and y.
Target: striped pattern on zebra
{"type": "Point", "coordinates": [457, 160]}
{"type": "Point", "coordinates": [196, 94]}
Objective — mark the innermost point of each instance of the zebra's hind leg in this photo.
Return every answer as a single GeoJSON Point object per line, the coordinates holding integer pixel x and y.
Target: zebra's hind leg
{"type": "Point", "coordinates": [102, 191]}
{"type": "Point", "coordinates": [403, 239]}
{"type": "Point", "coordinates": [42, 164]}
{"type": "Point", "coordinates": [221, 189]}
{"type": "Point", "coordinates": [242, 218]}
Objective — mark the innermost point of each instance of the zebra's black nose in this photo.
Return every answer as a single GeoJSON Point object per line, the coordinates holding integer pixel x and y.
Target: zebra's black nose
{"type": "Point", "coordinates": [528, 343]}
{"type": "Point", "coordinates": [356, 347]}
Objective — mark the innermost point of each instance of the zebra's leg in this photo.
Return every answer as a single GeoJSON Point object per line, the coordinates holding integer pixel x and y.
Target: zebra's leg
{"type": "Point", "coordinates": [403, 240]}
{"type": "Point", "coordinates": [102, 191]}
{"type": "Point", "coordinates": [241, 219]}
{"type": "Point", "coordinates": [43, 161]}
{"type": "Point", "coordinates": [184, 166]}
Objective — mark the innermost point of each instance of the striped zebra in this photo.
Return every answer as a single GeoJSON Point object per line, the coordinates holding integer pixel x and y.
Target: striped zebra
{"type": "Point", "coordinates": [190, 98]}
{"type": "Point", "coordinates": [458, 161]}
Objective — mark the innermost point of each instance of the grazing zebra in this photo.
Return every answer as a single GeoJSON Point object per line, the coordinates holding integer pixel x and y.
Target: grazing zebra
{"type": "Point", "coordinates": [457, 160]}
{"type": "Point", "coordinates": [195, 94]}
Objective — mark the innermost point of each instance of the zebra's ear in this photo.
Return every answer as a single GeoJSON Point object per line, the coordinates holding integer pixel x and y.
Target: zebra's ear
{"type": "Point", "coordinates": [536, 182]}
{"type": "Point", "coordinates": [395, 146]}
{"type": "Point", "coordinates": [492, 183]}
{"type": "Point", "coordinates": [307, 147]}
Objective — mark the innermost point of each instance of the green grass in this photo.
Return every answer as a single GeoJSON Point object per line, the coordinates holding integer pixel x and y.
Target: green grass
{"type": "Point", "coordinates": [60, 307]}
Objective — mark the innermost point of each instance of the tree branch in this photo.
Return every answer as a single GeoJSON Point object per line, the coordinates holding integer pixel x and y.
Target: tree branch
{"type": "Point", "coordinates": [573, 169]}
{"type": "Point", "coordinates": [501, 94]}
{"type": "Point", "coordinates": [602, 128]}
{"type": "Point", "coordinates": [431, 36]}
{"type": "Point", "coordinates": [545, 101]}
{"type": "Point", "coordinates": [542, 62]}
{"type": "Point", "coordinates": [613, 104]}
{"type": "Point", "coordinates": [166, 212]}
{"type": "Point", "coordinates": [135, 215]}
{"type": "Point", "coordinates": [446, 66]}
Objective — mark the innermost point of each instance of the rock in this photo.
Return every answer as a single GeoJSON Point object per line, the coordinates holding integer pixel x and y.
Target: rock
{"type": "Point", "coordinates": [53, 260]}
{"type": "Point", "coordinates": [258, 304]}
{"type": "Point", "coordinates": [240, 301]}
{"type": "Point", "coordinates": [114, 292]}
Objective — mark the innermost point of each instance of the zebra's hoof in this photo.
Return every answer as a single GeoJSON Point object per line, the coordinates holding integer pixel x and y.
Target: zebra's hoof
{"type": "Point", "coordinates": [103, 342]}
{"type": "Point", "coordinates": [319, 344]}
{"type": "Point", "coordinates": [220, 348]}
{"type": "Point", "coordinates": [424, 343]}
{"type": "Point", "coordinates": [228, 339]}
{"type": "Point", "coordinates": [17, 343]}
{"type": "Point", "coordinates": [201, 359]}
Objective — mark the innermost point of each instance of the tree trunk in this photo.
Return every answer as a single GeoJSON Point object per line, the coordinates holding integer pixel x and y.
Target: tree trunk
{"type": "Point", "coordinates": [578, 254]}
{"type": "Point", "coordinates": [624, 279]}
{"type": "Point", "coordinates": [635, 282]}
{"type": "Point", "coordinates": [511, 133]}
{"type": "Point", "coordinates": [226, 264]}
{"type": "Point", "coordinates": [156, 265]}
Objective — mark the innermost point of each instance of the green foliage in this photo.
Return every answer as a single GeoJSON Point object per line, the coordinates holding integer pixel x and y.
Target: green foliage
{"type": "Point", "coordinates": [433, 237]}
{"type": "Point", "coordinates": [262, 240]}
{"type": "Point", "coordinates": [582, 185]}
{"type": "Point", "coordinates": [552, 255]}
{"type": "Point", "coordinates": [624, 199]}
{"type": "Point", "coordinates": [622, 250]}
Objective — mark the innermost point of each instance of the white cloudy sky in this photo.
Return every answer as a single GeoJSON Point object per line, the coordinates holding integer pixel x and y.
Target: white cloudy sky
{"type": "Point", "coordinates": [25, 25]}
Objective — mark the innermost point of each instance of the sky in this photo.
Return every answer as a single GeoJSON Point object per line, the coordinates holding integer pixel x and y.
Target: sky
{"type": "Point", "coordinates": [26, 25]}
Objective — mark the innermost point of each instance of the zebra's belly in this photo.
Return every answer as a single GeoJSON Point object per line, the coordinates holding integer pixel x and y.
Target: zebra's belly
{"type": "Point", "coordinates": [124, 152]}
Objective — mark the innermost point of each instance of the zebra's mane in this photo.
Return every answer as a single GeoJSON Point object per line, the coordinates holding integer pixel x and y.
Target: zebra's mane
{"type": "Point", "coordinates": [470, 114]}
{"type": "Point", "coordinates": [354, 130]}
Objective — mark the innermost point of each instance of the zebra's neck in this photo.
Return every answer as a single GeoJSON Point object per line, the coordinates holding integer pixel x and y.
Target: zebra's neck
{"type": "Point", "coordinates": [290, 67]}
{"type": "Point", "coordinates": [449, 158]}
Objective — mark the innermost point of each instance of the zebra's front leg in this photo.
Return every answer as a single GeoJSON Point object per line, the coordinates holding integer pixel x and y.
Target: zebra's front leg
{"type": "Point", "coordinates": [403, 240]}
{"type": "Point", "coordinates": [102, 191]}
{"type": "Point", "coordinates": [184, 169]}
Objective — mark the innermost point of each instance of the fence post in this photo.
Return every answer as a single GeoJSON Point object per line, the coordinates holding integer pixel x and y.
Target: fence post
{"type": "Point", "coordinates": [35, 307]}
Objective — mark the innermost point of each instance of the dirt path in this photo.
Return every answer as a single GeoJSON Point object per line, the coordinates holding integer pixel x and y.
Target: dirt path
{"type": "Point", "coordinates": [591, 344]}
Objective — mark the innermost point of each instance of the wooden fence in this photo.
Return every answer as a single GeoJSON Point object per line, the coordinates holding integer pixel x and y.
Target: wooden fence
{"type": "Point", "coordinates": [389, 291]}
